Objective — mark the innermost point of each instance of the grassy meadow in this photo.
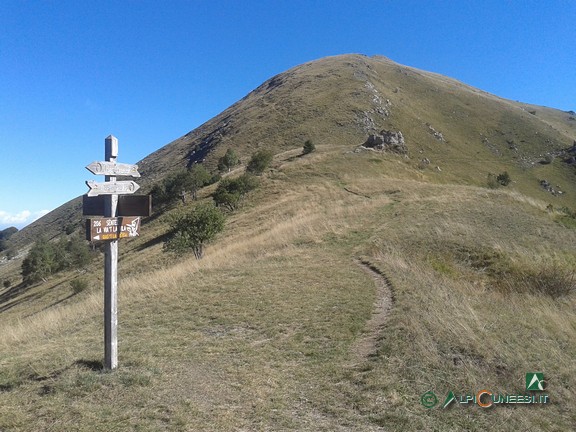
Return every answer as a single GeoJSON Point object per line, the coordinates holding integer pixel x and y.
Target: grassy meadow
{"type": "Point", "coordinates": [261, 333]}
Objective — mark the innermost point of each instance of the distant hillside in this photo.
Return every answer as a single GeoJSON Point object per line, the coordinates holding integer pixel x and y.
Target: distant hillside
{"type": "Point", "coordinates": [5, 235]}
{"type": "Point", "coordinates": [465, 132]}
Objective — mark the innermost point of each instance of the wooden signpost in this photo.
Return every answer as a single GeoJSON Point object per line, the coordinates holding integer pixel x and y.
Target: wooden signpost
{"type": "Point", "coordinates": [102, 200]}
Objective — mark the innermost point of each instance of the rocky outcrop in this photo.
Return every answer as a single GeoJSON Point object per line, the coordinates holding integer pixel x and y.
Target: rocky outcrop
{"type": "Point", "coordinates": [570, 155]}
{"type": "Point", "coordinates": [392, 141]}
{"type": "Point", "coordinates": [547, 186]}
{"type": "Point", "coordinates": [435, 133]}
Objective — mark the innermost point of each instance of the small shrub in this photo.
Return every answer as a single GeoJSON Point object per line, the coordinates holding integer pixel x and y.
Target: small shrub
{"type": "Point", "coordinates": [504, 178]}
{"type": "Point", "coordinates": [228, 161]}
{"type": "Point", "coordinates": [7, 283]}
{"type": "Point", "coordinates": [47, 258]}
{"type": "Point", "coordinates": [230, 191]}
{"type": "Point", "coordinates": [78, 285]}
{"type": "Point", "coordinates": [223, 198]}
{"type": "Point", "coordinates": [309, 147]}
{"type": "Point", "coordinates": [43, 260]}
{"type": "Point", "coordinates": [175, 186]}
{"type": "Point", "coordinates": [215, 178]}
{"type": "Point", "coordinates": [70, 228]}
{"type": "Point", "coordinates": [194, 229]}
{"type": "Point", "coordinates": [259, 162]}
{"type": "Point", "coordinates": [244, 184]}
{"type": "Point", "coordinates": [198, 177]}
{"type": "Point", "coordinates": [159, 195]}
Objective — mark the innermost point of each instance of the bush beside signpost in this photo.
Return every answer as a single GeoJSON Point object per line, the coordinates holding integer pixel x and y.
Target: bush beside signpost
{"type": "Point", "coordinates": [192, 230]}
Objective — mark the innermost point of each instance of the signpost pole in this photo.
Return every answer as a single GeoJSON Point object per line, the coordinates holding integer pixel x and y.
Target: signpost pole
{"type": "Point", "coordinates": [102, 199]}
{"type": "Point", "coordinates": [111, 270]}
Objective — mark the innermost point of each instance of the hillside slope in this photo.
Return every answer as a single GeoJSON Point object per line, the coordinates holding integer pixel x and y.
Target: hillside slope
{"type": "Point", "coordinates": [341, 100]}
{"type": "Point", "coordinates": [347, 286]}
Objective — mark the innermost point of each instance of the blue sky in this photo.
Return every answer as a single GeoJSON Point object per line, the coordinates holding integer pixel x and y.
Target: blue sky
{"type": "Point", "coordinates": [74, 72]}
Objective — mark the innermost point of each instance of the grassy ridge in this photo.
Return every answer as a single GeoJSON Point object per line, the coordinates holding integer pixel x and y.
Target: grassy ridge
{"type": "Point", "coordinates": [258, 334]}
{"type": "Point", "coordinates": [337, 101]}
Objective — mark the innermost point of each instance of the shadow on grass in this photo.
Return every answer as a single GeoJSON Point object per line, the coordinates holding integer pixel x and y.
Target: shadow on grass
{"type": "Point", "coordinates": [53, 304]}
{"type": "Point", "coordinates": [13, 292]}
{"type": "Point", "coordinates": [293, 158]}
{"type": "Point", "coordinates": [94, 365]}
{"type": "Point", "coordinates": [46, 389]}
{"type": "Point", "coordinates": [7, 298]}
{"type": "Point", "coordinates": [157, 240]}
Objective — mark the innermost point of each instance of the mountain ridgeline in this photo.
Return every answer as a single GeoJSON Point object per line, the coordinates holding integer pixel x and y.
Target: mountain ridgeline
{"type": "Point", "coordinates": [460, 131]}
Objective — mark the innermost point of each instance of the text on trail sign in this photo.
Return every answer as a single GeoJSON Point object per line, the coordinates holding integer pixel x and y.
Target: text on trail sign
{"type": "Point", "coordinates": [112, 228]}
{"type": "Point", "coordinates": [112, 187]}
{"type": "Point", "coordinates": [113, 169]}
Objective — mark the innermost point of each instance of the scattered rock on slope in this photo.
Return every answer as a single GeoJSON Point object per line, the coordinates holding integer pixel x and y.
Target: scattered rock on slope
{"type": "Point", "coordinates": [387, 141]}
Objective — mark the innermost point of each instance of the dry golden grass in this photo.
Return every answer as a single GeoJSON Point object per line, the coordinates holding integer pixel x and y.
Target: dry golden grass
{"type": "Point", "coordinates": [459, 332]}
{"type": "Point", "coordinates": [258, 334]}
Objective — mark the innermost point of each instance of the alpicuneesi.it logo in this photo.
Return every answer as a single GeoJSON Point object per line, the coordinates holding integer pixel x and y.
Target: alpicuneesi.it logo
{"type": "Point", "coordinates": [486, 398]}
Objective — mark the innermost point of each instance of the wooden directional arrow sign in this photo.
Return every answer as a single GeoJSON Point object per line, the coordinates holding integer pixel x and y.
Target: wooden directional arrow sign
{"type": "Point", "coordinates": [113, 169]}
{"type": "Point", "coordinates": [112, 228]}
{"type": "Point", "coordinates": [112, 187]}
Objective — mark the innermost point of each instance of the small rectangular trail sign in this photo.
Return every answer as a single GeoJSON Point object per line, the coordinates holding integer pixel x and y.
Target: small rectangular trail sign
{"type": "Point", "coordinates": [128, 205]}
{"type": "Point", "coordinates": [112, 228]}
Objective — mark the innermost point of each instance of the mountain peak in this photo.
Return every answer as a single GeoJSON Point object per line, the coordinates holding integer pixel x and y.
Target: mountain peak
{"type": "Point", "coordinates": [341, 100]}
